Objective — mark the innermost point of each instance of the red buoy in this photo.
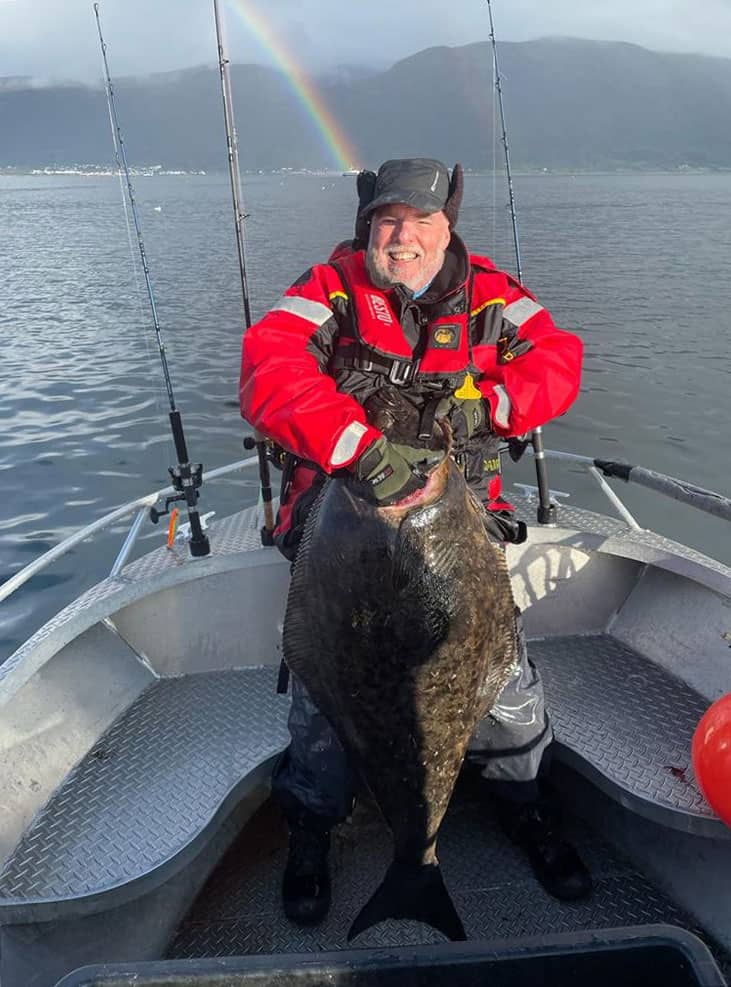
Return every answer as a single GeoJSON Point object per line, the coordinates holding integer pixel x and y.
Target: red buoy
{"type": "Point", "coordinates": [711, 753]}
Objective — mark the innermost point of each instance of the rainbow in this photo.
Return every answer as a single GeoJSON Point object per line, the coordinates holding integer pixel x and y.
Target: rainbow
{"type": "Point", "coordinates": [334, 138]}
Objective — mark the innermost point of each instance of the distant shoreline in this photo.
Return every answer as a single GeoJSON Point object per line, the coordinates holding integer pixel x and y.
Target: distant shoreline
{"type": "Point", "coordinates": [90, 171]}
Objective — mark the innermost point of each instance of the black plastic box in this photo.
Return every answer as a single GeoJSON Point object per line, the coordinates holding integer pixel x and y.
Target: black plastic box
{"type": "Point", "coordinates": [639, 956]}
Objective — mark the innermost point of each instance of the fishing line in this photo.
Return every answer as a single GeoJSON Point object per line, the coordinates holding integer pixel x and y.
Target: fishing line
{"type": "Point", "coordinates": [186, 477]}
{"type": "Point", "coordinates": [506, 147]}
{"type": "Point", "coordinates": [128, 226]}
{"type": "Point", "coordinates": [232, 143]}
{"type": "Point", "coordinates": [134, 262]}
{"type": "Point", "coordinates": [547, 512]}
{"type": "Point", "coordinates": [135, 271]}
{"type": "Point", "coordinates": [232, 146]}
{"type": "Point", "coordinates": [494, 166]}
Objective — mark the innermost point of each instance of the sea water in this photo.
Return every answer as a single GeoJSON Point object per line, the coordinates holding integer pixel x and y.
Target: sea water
{"type": "Point", "coordinates": [636, 264]}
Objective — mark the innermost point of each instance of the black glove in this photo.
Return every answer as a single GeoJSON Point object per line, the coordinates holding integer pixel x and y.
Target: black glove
{"type": "Point", "coordinates": [466, 416]}
{"type": "Point", "coordinates": [394, 471]}
{"type": "Point", "coordinates": [504, 527]}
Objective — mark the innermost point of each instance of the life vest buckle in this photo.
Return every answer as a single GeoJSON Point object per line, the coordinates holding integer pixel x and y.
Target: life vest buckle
{"type": "Point", "coordinates": [403, 372]}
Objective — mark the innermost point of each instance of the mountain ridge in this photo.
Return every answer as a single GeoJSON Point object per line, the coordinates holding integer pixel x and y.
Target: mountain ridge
{"type": "Point", "coordinates": [570, 104]}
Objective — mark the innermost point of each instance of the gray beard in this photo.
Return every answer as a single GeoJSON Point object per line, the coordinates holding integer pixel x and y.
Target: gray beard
{"type": "Point", "coordinates": [380, 279]}
{"type": "Point", "coordinates": [383, 280]}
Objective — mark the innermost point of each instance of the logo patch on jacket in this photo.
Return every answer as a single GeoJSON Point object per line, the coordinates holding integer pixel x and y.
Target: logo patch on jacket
{"type": "Point", "coordinates": [379, 309]}
{"type": "Point", "coordinates": [445, 337]}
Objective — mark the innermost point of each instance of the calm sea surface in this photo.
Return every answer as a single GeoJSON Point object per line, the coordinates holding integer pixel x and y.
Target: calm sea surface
{"type": "Point", "coordinates": [637, 264]}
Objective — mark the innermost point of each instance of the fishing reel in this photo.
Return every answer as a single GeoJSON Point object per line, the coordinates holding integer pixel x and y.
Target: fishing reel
{"type": "Point", "coordinates": [190, 475]}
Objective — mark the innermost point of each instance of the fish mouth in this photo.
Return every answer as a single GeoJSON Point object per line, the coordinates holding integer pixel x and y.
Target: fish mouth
{"type": "Point", "coordinates": [433, 488]}
{"type": "Point", "coordinates": [424, 496]}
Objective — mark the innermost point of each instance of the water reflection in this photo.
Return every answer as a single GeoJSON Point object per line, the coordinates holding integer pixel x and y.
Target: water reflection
{"type": "Point", "coordinates": [634, 261]}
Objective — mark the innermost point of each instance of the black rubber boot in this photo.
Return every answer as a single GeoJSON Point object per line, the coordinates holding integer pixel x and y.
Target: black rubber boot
{"type": "Point", "coordinates": [306, 882]}
{"type": "Point", "coordinates": [535, 828]}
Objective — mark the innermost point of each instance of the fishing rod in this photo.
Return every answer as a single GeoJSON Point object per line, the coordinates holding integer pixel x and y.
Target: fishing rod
{"type": "Point", "coordinates": [547, 511]}
{"type": "Point", "coordinates": [232, 143]}
{"type": "Point", "coordinates": [186, 477]}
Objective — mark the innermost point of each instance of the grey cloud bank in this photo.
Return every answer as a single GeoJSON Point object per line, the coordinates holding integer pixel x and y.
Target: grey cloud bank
{"type": "Point", "coordinates": [56, 39]}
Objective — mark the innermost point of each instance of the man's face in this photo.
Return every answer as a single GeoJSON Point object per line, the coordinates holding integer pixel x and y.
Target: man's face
{"type": "Point", "coordinates": [406, 246]}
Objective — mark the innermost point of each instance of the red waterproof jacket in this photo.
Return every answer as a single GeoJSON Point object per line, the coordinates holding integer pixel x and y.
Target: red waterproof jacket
{"type": "Point", "coordinates": [305, 361]}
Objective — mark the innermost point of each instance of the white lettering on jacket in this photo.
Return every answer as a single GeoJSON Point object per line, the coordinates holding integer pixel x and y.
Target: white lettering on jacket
{"type": "Point", "coordinates": [379, 309]}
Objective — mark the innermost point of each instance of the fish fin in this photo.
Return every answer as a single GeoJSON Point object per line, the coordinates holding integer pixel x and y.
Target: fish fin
{"type": "Point", "coordinates": [413, 892]}
{"type": "Point", "coordinates": [299, 647]}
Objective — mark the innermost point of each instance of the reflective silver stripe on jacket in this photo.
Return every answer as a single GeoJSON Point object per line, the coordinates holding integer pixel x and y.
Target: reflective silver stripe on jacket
{"type": "Point", "coordinates": [347, 444]}
{"type": "Point", "coordinates": [519, 312]}
{"type": "Point", "coordinates": [502, 412]}
{"type": "Point", "coordinates": [314, 312]}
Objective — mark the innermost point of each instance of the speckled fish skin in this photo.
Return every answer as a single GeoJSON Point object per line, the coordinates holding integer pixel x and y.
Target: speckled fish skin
{"type": "Point", "coordinates": [400, 623]}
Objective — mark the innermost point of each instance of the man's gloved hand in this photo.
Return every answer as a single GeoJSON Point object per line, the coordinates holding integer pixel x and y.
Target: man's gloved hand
{"type": "Point", "coordinates": [505, 528]}
{"type": "Point", "coordinates": [465, 415]}
{"type": "Point", "coordinates": [394, 471]}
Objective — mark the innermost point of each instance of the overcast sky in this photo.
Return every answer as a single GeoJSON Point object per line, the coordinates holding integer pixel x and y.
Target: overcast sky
{"type": "Point", "coordinates": [56, 39]}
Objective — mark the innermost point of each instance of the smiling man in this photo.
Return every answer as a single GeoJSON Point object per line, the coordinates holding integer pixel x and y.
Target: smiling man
{"type": "Point", "coordinates": [407, 247]}
{"type": "Point", "coordinates": [408, 240]}
{"type": "Point", "coordinates": [405, 305]}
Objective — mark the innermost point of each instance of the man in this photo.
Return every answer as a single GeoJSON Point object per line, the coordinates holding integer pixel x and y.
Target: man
{"type": "Point", "coordinates": [404, 305]}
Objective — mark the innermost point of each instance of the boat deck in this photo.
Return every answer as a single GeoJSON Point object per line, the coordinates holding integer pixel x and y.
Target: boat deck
{"type": "Point", "coordinates": [174, 760]}
{"type": "Point", "coordinates": [239, 910]}
{"type": "Point", "coordinates": [626, 724]}
{"type": "Point", "coordinates": [187, 744]}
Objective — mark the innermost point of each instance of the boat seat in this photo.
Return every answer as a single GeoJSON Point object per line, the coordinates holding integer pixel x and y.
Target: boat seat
{"type": "Point", "coordinates": [151, 789]}
{"type": "Point", "coordinates": [162, 774]}
{"type": "Point", "coordinates": [626, 724]}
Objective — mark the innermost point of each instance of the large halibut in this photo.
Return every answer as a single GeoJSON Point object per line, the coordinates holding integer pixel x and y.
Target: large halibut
{"type": "Point", "coordinates": [400, 623]}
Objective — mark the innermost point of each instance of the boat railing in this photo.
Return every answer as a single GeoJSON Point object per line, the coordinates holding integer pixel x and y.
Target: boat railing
{"type": "Point", "coordinates": [140, 507]}
{"type": "Point", "coordinates": [688, 493]}
{"type": "Point", "coordinates": [669, 486]}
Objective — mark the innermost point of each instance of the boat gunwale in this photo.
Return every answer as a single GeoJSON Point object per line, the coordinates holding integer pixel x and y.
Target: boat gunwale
{"type": "Point", "coordinates": [141, 504]}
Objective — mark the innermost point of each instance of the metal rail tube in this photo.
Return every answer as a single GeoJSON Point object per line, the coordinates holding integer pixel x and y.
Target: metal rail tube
{"type": "Point", "coordinates": [52, 554]}
{"type": "Point", "coordinates": [669, 486]}
{"type": "Point", "coordinates": [687, 493]}
{"type": "Point", "coordinates": [43, 561]}
{"type": "Point", "coordinates": [128, 543]}
{"type": "Point", "coordinates": [571, 456]}
{"type": "Point", "coordinates": [614, 499]}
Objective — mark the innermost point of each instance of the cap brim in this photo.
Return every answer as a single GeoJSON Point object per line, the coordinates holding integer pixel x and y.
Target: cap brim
{"type": "Point", "coordinates": [417, 200]}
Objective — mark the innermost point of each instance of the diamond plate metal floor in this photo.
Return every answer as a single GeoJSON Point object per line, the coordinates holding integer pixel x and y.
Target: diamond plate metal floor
{"type": "Point", "coordinates": [628, 725]}
{"type": "Point", "coordinates": [150, 785]}
{"type": "Point", "coordinates": [185, 744]}
{"type": "Point", "coordinates": [239, 910]}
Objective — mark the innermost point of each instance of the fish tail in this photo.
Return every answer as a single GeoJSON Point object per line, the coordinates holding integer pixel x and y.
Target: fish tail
{"type": "Point", "coordinates": [411, 891]}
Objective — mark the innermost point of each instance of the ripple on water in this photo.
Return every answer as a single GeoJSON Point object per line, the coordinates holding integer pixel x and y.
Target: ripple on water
{"type": "Point", "coordinates": [83, 408]}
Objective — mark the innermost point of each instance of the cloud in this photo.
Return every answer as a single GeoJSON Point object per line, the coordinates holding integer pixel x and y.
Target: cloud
{"type": "Point", "coordinates": [57, 38]}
